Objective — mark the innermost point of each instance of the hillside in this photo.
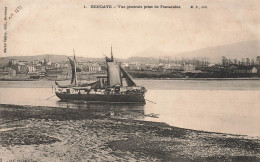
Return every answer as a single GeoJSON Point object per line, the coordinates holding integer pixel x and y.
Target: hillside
{"type": "Point", "coordinates": [239, 50]}
{"type": "Point", "coordinates": [249, 49]}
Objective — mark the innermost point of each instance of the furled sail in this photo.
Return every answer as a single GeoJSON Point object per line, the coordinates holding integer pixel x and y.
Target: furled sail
{"type": "Point", "coordinates": [80, 84]}
{"type": "Point", "coordinates": [128, 78]}
{"type": "Point", "coordinates": [62, 86]}
{"type": "Point", "coordinates": [89, 83]}
{"type": "Point", "coordinates": [73, 72]}
{"type": "Point", "coordinates": [96, 85]}
{"type": "Point", "coordinates": [73, 78]}
{"type": "Point", "coordinates": [113, 74]}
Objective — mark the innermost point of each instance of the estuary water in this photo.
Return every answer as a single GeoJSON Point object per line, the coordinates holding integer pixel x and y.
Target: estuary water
{"type": "Point", "coordinates": [226, 106]}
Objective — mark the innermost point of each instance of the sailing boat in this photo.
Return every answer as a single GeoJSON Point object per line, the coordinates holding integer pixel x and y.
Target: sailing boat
{"type": "Point", "coordinates": [109, 89]}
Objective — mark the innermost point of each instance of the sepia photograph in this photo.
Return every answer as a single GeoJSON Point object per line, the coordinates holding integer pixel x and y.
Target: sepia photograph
{"type": "Point", "coordinates": [129, 80]}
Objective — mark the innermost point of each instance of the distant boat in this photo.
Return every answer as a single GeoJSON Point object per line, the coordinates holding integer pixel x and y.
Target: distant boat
{"type": "Point", "coordinates": [105, 89]}
{"type": "Point", "coordinates": [153, 115]}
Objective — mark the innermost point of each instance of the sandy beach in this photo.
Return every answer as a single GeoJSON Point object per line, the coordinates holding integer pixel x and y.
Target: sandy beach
{"type": "Point", "coordinates": [36, 133]}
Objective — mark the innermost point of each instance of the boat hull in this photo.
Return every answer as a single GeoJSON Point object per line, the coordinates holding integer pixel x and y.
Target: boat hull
{"type": "Point", "coordinates": [118, 98]}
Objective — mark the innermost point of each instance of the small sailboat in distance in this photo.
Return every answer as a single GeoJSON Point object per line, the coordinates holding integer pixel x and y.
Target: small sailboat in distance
{"type": "Point", "coordinates": [109, 89]}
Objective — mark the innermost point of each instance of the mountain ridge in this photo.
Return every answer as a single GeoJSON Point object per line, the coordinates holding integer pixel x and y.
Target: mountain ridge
{"type": "Point", "coordinates": [250, 49]}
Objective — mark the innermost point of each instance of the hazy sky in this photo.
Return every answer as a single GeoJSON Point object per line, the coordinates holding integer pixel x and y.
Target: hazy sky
{"type": "Point", "coordinates": [56, 27]}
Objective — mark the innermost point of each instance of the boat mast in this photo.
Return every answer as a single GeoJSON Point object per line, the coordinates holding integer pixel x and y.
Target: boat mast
{"type": "Point", "coordinates": [112, 58]}
{"type": "Point", "coordinates": [75, 68]}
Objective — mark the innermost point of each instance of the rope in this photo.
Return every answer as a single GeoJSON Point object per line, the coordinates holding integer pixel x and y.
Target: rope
{"type": "Point", "coordinates": [50, 97]}
{"type": "Point", "coordinates": [150, 101]}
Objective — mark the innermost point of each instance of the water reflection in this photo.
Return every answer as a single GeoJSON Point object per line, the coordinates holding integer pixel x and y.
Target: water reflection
{"type": "Point", "coordinates": [119, 110]}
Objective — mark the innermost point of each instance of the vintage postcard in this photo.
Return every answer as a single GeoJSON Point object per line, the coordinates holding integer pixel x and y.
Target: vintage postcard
{"type": "Point", "coordinates": [129, 80]}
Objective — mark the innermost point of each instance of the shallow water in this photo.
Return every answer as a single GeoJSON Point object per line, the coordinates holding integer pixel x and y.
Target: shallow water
{"type": "Point", "coordinates": [228, 106]}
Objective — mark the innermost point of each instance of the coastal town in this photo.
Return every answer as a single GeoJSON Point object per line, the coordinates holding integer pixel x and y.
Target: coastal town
{"type": "Point", "coordinates": [165, 67]}
{"type": "Point", "coordinates": [138, 67]}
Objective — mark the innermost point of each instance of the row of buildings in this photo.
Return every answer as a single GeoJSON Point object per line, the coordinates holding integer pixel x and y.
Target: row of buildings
{"type": "Point", "coordinates": [159, 67]}
{"type": "Point", "coordinates": [183, 68]}
{"type": "Point", "coordinates": [62, 70]}
{"type": "Point", "coordinates": [45, 68]}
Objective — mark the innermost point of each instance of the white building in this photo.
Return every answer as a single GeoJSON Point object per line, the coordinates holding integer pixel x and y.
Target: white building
{"type": "Point", "coordinates": [13, 61]}
{"type": "Point", "coordinates": [188, 67]}
{"type": "Point", "coordinates": [35, 62]}
{"type": "Point", "coordinates": [31, 68]}
{"type": "Point", "coordinates": [94, 68]}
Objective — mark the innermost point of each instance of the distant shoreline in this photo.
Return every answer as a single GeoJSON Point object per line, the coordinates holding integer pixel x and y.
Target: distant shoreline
{"type": "Point", "coordinates": [197, 78]}
{"type": "Point", "coordinates": [2, 79]}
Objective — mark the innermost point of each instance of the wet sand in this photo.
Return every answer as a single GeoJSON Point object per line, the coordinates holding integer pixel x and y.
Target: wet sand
{"type": "Point", "coordinates": [36, 133]}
